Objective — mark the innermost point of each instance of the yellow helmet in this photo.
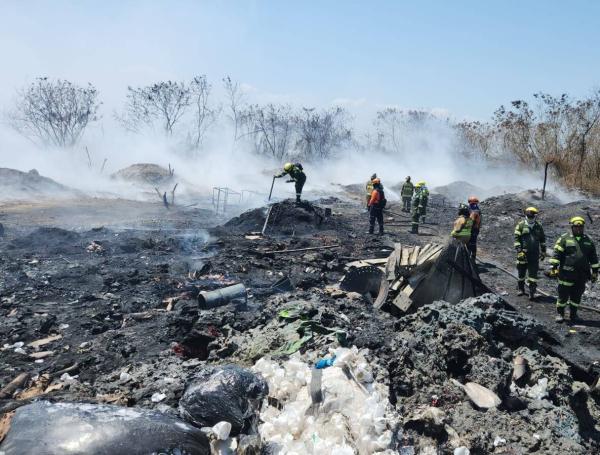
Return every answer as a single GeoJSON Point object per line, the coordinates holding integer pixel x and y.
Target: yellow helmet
{"type": "Point", "coordinates": [577, 221]}
{"type": "Point", "coordinates": [532, 210]}
{"type": "Point", "coordinates": [421, 183]}
{"type": "Point", "coordinates": [287, 167]}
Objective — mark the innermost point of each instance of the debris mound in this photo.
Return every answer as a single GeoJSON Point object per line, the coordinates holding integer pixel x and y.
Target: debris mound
{"type": "Point", "coordinates": [514, 203]}
{"type": "Point", "coordinates": [16, 184]}
{"type": "Point", "coordinates": [145, 173]}
{"type": "Point", "coordinates": [286, 217]}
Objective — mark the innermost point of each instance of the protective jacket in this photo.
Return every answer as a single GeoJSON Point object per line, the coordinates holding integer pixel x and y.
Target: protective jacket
{"type": "Point", "coordinates": [530, 238]}
{"type": "Point", "coordinates": [462, 229]}
{"type": "Point", "coordinates": [377, 198]}
{"type": "Point", "coordinates": [407, 189]}
{"type": "Point", "coordinates": [576, 257]}
{"type": "Point", "coordinates": [296, 173]}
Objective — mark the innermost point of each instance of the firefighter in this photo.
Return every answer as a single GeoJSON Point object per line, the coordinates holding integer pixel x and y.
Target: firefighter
{"type": "Point", "coordinates": [369, 188]}
{"type": "Point", "coordinates": [463, 226]}
{"type": "Point", "coordinates": [417, 207]}
{"type": "Point", "coordinates": [407, 193]}
{"type": "Point", "coordinates": [475, 215]}
{"type": "Point", "coordinates": [575, 261]}
{"type": "Point", "coordinates": [530, 244]}
{"type": "Point", "coordinates": [424, 200]}
{"type": "Point", "coordinates": [376, 205]}
{"type": "Point", "coordinates": [297, 175]}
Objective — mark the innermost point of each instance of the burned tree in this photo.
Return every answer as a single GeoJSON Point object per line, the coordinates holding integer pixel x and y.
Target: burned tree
{"type": "Point", "coordinates": [235, 102]}
{"type": "Point", "coordinates": [393, 123]}
{"type": "Point", "coordinates": [270, 127]}
{"type": "Point", "coordinates": [320, 134]}
{"type": "Point", "coordinates": [55, 112]}
{"type": "Point", "coordinates": [204, 115]}
{"type": "Point", "coordinates": [162, 102]}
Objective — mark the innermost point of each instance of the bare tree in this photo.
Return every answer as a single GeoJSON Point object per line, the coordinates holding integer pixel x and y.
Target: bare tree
{"type": "Point", "coordinates": [320, 134]}
{"type": "Point", "coordinates": [163, 102]}
{"type": "Point", "coordinates": [55, 112]}
{"type": "Point", "coordinates": [270, 127]}
{"type": "Point", "coordinates": [204, 115]}
{"type": "Point", "coordinates": [393, 123]}
{"type": "Point", "coordinates": [235, 104]}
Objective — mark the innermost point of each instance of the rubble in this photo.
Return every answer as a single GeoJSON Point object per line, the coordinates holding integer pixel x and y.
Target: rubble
{"type": "Point", "coordinates": [126, 330]}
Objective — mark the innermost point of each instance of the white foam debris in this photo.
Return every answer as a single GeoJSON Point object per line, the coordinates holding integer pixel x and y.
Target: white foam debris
{"type": "Point", "coordinates": [354, 417]}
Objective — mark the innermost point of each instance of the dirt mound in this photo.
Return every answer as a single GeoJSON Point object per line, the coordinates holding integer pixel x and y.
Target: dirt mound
{"type": "Point", "coordinates": [285, 217]}
{"type": "Point", "coordinates": [16, 184]}
{"type": "Point", "coordinates": [516, 202]}
{"type": "Point", "coordinates": [146, 173]}
{"type": "Point", "coordinates": [48, 239]}
{"type": "Point", "coordinates": [457, 192]}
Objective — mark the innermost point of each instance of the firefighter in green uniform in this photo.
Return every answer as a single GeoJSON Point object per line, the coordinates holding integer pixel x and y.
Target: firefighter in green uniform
{"type": "Point", "coordinates": [575, 261]}
{"type": "Point", "coordinates": [424, 201]}
{"type": "Point", "coordinates": [530, 243]}
{"type": "Point", "coordinates": [417, 207]}
{"type": "Point", "coordinates": [297, 176]}
{"type": "Point", "coordinates": [369, 188]}
{"type": "Point", "coordinates": [407, 193]}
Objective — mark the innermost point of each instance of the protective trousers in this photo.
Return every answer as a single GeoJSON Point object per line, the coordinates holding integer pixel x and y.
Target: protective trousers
{"type": "Point", "coordinates": [375, 214]}
{"type": "Point", "coordinates": [416, 214]}
{"type": "Point", "coordinates": [569, 293]}
{"type": "Point", "coordinates": [529, 267]}
{"type": "Point", "coordinates": [300, 181]}
{"type": "Point", "coordinates": [472, 244]}
{"type": "Point", "coordinates": [406, 202]}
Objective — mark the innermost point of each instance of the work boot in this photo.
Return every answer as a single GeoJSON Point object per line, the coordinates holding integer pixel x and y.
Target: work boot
{"type": "Point", "coordinates": [423, 220]}
{"type": "Point", "coordinates": [371, 229]}
{"type": "Point", "coordinates": [381, 231]}
{"type": "Point", "coordinates": [298, 201]}
{"type": "Point", "coordinates": [415, 229]}
{"type": "Point", "coordinates": [561, 315]}
{"type": "Point", "coordinates": [532, 289]}
{"type": "Point", "coordinates": [573, 315]}
{"type": "Point", "coordinates": [521, 288]}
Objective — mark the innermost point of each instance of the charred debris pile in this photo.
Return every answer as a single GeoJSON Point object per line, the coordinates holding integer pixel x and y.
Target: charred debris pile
{"type": "Point", "coordinates": [312, 338]}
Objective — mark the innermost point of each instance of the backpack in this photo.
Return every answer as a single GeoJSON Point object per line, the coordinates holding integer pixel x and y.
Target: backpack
{"type": "Point", "coordinates": [383, 201]}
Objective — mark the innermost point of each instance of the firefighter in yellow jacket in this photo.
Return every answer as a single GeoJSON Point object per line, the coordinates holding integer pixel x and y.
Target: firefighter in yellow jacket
{"type": "Point", "coordinates": [575, 262]}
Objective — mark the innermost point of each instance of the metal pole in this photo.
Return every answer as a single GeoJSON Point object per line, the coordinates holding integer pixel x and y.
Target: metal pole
{"type": "Point", "coordinates": [272, 184]}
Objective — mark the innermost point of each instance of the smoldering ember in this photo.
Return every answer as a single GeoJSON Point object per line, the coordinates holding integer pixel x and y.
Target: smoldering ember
{"type": "Point", "coordinates": [156, 326]}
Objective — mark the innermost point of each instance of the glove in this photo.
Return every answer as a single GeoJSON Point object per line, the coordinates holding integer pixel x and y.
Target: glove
{"type": "Point", "coordinates": [521, 256]}
{"type": "Point", "coordinates": [289, 181]}
{"type": "Point", "coordinates": [553, 272]}
{"type": "Point", "coordinates": [594, 277]}
{"type": "Point", "coordinates": [542, 255]}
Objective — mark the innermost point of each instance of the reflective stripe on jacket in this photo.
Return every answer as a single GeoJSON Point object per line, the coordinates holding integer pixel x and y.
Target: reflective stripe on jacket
{"type": "Point", "coordinates": [575, 256]}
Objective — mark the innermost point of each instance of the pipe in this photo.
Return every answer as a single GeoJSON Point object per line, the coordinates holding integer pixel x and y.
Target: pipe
{"type": "Point", "coordinates": [220, 297]}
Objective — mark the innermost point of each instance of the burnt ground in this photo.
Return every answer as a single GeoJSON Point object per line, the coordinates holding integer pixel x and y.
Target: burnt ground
{"type": "Point", "coordinates": [115, 283]}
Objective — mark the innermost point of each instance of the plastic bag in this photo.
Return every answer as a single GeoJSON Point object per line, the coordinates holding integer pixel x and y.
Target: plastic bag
{"type": "Point", "coordinates": [46, 428]}
{"type": "Point", "coordinates": [225, 393]}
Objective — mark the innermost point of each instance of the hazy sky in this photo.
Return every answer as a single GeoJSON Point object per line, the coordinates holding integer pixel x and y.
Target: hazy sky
{"type": "Point", "coordinates": [467, 57]}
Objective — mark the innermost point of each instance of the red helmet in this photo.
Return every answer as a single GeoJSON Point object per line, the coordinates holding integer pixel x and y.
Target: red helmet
{"type": "Point", "coordinates": [473, 200]}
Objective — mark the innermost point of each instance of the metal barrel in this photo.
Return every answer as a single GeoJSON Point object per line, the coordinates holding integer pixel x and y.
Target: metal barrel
{"type": "Point", "coordinates": [220, 297]}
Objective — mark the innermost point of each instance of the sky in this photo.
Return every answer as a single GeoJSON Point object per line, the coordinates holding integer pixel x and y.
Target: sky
{"type": "Point", "coordinates": [461, 57]}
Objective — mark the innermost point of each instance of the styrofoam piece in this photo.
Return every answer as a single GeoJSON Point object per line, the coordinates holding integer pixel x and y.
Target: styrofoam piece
{"type": "Point", "coordinates": [352, 418]}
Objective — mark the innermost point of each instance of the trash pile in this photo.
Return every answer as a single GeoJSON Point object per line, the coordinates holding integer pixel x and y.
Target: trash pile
{"type": "Point", "coordinates": [145, 173]}
{"type": "Point", "coordinates": [284, 218]}
{"type": "Point", "coordinates": [247, 344]}
{"type": "Point", "coordinates": [18, 185]}
{"type": "Point", "coordinates": [335, 407]}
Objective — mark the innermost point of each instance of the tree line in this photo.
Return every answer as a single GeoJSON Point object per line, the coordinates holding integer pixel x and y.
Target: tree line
{"type": "Point", "coordinates": [559, 135]}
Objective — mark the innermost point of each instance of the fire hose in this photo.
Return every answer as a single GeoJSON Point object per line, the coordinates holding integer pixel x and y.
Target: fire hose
{"type": "Point", "coordinates": [585, 307]}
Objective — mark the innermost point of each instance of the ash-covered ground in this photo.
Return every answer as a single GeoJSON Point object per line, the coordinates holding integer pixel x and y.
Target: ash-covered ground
{"type": "Point", "coordinates": [108, 290]}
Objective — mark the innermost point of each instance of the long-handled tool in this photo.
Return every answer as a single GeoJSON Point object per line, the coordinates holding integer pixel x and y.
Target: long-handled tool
{"type": "Point", "coordinates": [272, 184]}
